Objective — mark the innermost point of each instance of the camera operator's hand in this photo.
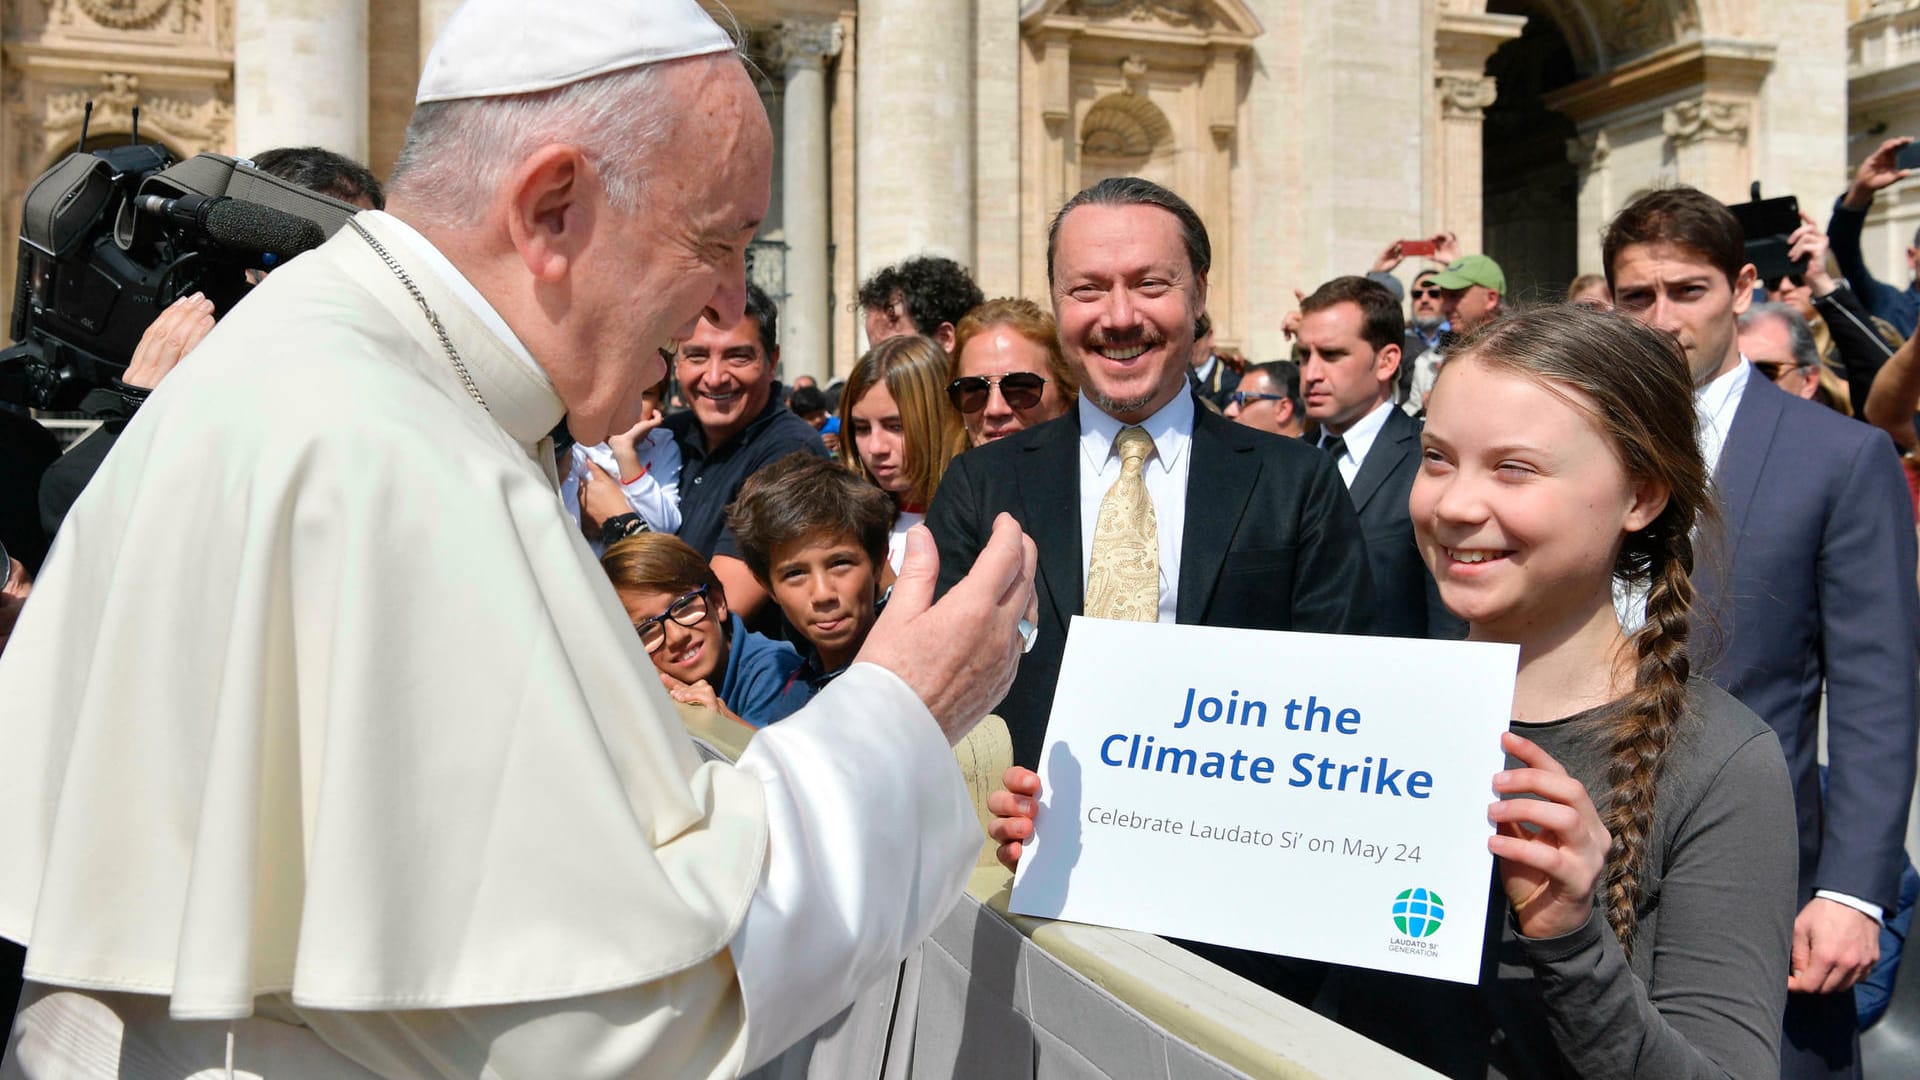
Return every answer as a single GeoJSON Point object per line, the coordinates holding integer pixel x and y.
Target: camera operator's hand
{"type": "Point", "coordinates": [13, 597]}
{"type": "Point", "coordinates": [1878, 171]}
{"type": "Point", "coordinates": [172, 336]}
{"type": "Point", "coordinates": [1388, 259]}
{"type": "Point", "coordinates": [1809, 241]}
{"type": "Point", "coordinates": [1446, 248]}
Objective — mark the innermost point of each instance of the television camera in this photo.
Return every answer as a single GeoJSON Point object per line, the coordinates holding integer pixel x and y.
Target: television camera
{"type": "Point", "coordinates": [110, 237]}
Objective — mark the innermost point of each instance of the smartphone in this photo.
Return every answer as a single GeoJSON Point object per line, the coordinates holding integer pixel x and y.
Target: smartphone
{"type": "Point", "coordinates": [1419, 247]}
{"type": "Point", "coordinates": [1909, 156]}
{"type": "Point", "coordinates": [1768, 223]}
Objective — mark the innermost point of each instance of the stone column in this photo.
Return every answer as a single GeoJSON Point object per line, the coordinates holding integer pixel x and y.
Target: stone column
{"type": "Point", "coordinates": [1465, 35]}
{"type": "Point", "coordinates": [1463, 103]}
{"type": "Point", "coordinates": [300, 75]}
{"type": "Point", "coordinates": [433, 15]}
{"type": "Point", "coordinates": [801, 49]}
{"type": "Point", "coordinates": [914, 168]}
{"type": "Point", "coordinates": [1592, 154]}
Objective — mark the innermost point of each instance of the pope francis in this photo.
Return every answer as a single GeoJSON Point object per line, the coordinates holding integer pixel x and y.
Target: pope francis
{"type": "Point", "coordinates": [326, 750]}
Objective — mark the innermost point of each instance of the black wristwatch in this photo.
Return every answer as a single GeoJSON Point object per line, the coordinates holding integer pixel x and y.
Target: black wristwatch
{"type": "Point", "coordinates": [619, 527]}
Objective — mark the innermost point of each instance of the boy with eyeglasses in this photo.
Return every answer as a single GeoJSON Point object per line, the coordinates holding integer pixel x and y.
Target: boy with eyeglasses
{"type": "Point", "coordinates": [705, 654]}
{"type": "Point", "coordinates": [815, 536]}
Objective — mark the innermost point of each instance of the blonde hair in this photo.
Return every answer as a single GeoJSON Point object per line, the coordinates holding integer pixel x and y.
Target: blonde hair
{"type": "Point", "coordinates": [914, 370]}
{"type": "Point", "coordinates": [1030, 321]}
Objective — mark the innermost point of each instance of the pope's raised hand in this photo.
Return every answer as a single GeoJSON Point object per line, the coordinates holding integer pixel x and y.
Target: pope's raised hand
{"type": "Point", "coordinates": [960, 654]}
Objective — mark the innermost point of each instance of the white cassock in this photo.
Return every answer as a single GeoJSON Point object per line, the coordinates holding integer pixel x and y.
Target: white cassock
{"type": "Point", "coordinates": [326, 747]}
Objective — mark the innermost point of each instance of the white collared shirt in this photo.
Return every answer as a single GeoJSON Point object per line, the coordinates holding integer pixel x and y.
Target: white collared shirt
{"type": "Point", "coordinates": [1715, 404]}
{"type": "Point", "coordinates": [1359, 438]}
{"type": "Point", "coordinates": [1166, 476]}
{"type": "Point", "coordinates": [1205, 371]}
{"type": "Point", "coordinates": [423, 248]}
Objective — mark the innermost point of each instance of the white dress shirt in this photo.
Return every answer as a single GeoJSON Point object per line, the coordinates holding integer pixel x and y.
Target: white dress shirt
{"type": "Point", "coordinates": [1359, 439]}
{"type": "Point", "coordinates": [1715, 404]}
{"type": "Point", "coordinates": [1166, 476]}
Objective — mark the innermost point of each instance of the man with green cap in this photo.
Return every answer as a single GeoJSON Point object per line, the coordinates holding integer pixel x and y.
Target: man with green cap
{"type": "Point", "coordinates": [1471, 290]}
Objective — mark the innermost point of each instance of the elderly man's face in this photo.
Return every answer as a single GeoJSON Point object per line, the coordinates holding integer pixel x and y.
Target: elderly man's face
{"type": "Point", "coordinates": [1260, 404]}
{"type": "Point", "coordinates": [1769, 345]}
{"type": "Point", "coordinates": [1467, 308]}
{"type": "Point", "coordinates": [650, 275]}
{"type": "Point", "coordinates": [1126, 297]}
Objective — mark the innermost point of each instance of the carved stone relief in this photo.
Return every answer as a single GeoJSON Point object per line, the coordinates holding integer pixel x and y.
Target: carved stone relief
{"type": "Point", "coordinates": [1465, 96]}
{"type": "Point", "coordinates": [1171, 12]}
{"type": "Point", "coordinates": [1589, 152]}
{"type": "Point", "coordinates": [192, 126]}
{"type": "Point", "coordinates": [1692, 122]}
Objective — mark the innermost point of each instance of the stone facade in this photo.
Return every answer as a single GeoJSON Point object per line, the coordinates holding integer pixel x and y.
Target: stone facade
{"type": "Point", "coordinates": [1309, 135]}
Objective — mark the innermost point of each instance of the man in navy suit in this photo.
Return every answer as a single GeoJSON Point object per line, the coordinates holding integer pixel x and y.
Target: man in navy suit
{"type": "Point", "coordinates": [1351, 332]}
{"type": "Point", "coordinates": [1812, 585]}
{"type": "Point", "coordinates": [1252, 530]}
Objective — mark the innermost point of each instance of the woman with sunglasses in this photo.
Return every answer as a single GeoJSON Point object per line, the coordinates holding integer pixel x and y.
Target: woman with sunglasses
{"type": "Point", "coordinates": [895, 430]}
{"type": "Point", "coordinates": [679, 609]}
{"type": "Point", "coordinates": [1008, 374]}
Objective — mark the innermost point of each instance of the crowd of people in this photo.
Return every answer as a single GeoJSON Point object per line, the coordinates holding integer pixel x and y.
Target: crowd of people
{"type": "Point", "coordinates": [1680, 492]}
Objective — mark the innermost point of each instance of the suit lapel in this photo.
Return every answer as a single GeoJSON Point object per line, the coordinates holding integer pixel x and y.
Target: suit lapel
{"type": "Point", "coordinates": [1049, 479]}
{"type": "Point", "coordinates": [1220, 477]}
{"type": "Point", "coordinates": [1398, 437]}
{"type": "Point", "coordinates": [1744, 455]}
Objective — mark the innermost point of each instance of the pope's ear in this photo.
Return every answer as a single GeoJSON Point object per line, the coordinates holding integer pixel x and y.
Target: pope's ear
{"type": "Point", "coordinates": [550, 209]}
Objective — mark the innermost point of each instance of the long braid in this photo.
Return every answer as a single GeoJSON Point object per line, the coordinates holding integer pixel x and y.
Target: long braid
{"type": "Point", "coordinates": [1652, 717]}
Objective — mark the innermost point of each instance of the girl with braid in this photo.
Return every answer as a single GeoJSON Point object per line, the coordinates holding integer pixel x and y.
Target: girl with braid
{"type": "Point", "coordinates": [1644, 838]}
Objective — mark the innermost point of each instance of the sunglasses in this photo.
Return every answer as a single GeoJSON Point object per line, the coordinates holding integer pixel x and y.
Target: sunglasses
{"type": "Point", "coordinates": [1796, 280]}
{"type": "Point", "coordinates": [1421, 294]}
{"type": "Point", "coordinates": [1242, 398]}
{"type": "Point", "coordinates": [1021, 389]}
{"type": "Point", "coordinates": [689, 610]}
{"type": "Point", "coordinates": [1774, 369]}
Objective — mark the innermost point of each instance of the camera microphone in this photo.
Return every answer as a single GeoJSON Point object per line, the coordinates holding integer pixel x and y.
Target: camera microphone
{"type": "Point", "coordinates": [239, 226]}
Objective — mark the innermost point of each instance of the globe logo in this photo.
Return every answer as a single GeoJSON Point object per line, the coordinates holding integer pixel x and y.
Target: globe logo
{"type": "Point", "coordinates": [1418, 912]}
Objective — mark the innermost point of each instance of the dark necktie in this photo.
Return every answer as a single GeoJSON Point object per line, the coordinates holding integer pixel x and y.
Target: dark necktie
{"type": "Point", "coordinates": [1335, 446]}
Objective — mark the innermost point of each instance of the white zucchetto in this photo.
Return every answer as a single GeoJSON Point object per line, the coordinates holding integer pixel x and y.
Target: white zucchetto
{"type": "Point", "coordinates": [496, 48]}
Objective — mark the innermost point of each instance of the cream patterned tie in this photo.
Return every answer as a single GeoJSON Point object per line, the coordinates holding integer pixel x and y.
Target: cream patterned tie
{"type": "Point", "coordinates": [1123, 577]}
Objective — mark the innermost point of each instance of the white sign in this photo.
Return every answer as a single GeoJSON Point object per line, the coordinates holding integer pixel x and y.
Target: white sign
{"type": "Point", "coordinates": [1310, 795]}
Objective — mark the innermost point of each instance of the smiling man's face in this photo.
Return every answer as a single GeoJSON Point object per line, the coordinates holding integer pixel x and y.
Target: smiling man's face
{"type": "Point", "coordinates": [726, 376]}
{"type": "Point", "coordinates": [1126, 298]}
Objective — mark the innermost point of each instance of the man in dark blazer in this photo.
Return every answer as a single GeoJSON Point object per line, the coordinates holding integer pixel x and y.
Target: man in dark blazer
{"type": "Point", "coordinates": [1211, 376]}
{"type": "Point", "coordinates": [1350, 334]}
{"type": "Point", "coordinates": [1253, 530]}
{"type": "Point", "coordinates": [1809, 585]}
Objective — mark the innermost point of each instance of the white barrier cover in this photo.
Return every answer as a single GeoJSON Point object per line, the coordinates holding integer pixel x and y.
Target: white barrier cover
{"type": "Point", "coordinates": [1312, 795]}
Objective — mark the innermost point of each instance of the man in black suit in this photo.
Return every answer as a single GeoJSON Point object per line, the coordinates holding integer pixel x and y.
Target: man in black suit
{"type": "Point", "coordinates": [1211, 377]}
{"type": "Point", "coordinates": [1248, 529]}
{"type": "Point", "coordinates": [1811, 588]}
{"type": "Point", "coordinates": [1350, 333]}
